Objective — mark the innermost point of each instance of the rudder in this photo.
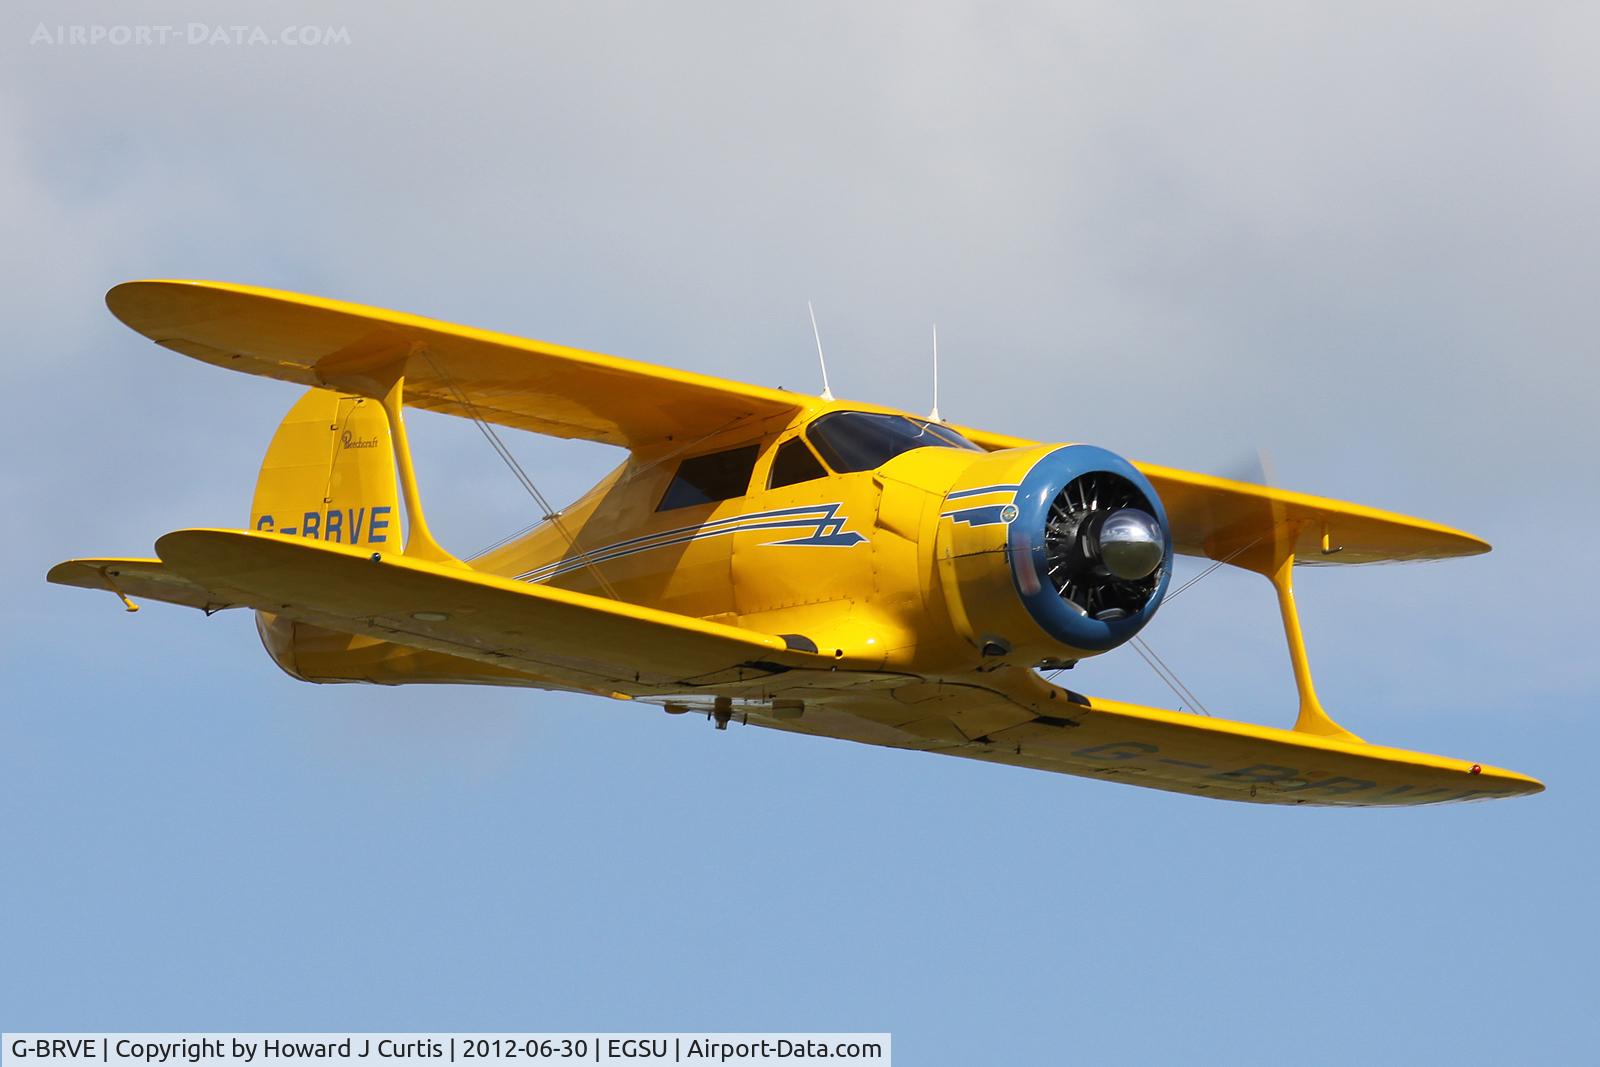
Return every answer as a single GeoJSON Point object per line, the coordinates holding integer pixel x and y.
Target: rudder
{"type": "Point", "coordinates": [329, 474]}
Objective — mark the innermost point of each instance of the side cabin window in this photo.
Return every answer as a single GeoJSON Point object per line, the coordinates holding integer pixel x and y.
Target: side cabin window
{"type": "Point", "coordinates": [862, 441]}
{"type": "Point", "coordinates": [793, 464]}
{"type": "Point", "coordinates": [709, 478]}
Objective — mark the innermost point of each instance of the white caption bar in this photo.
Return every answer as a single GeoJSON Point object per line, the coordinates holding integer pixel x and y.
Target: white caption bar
{"type": "Point", "coordinates": [432, 1050]}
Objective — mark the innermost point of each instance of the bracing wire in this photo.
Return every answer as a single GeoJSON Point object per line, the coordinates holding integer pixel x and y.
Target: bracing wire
{"type": "Point", "coordinates": [1168, 675]}
{"type": "Point", "coordinates": [507, 539]}
{"type": "Point", "coordinates": [1216, 566]}
{"type": "Point", "coordinates": [1159, 665]}
{"type": "Point", "coordinates": [548, 513]}
{"type": "Point", "coordinates": [632, 473]}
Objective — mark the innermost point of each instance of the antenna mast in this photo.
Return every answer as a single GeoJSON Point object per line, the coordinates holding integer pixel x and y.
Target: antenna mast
{"type": "Point", "coordinates": [934, 414]}
{"type": "Point", "coordinates": [827, 393]}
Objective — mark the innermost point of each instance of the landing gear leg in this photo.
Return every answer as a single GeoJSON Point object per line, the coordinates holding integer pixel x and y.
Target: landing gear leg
{"type": "Point", "coordinates": [722, 711]}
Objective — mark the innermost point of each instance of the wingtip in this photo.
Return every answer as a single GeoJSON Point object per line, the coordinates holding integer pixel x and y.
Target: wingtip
{"type": "Point", "coordinates": [127, 299]}
{"type": "Point", "coordinates": [1510, 783]}
{"type": "Point", "coordinates": [1470, 544]}
{"type": "Point", "coordinates": [119, 296]}
{"type": "Point", "coordinates": [64, 572]}
{"type": "Point", "coordinates": [120, 292]}
{"type": "Point", "coordinates": [1529, 785]}
{"type": "Point", "coordinates": [177, 540]}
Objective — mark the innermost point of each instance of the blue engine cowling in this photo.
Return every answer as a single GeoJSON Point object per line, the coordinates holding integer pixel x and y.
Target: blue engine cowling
{"type": "Point", "coordinates": [1052, 553]}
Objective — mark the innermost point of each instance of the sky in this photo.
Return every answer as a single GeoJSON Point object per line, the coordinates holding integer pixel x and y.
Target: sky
{"type": "Point", "coordinates": [1358, 236]}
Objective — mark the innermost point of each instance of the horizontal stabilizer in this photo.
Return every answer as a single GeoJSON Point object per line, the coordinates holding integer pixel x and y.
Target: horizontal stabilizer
{"type": "Point", "coordinates": [138, 579]}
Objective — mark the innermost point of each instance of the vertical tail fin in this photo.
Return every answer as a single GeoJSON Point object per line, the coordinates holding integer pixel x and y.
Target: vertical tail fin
{"type": "Point", "coordinates": [329, 474]}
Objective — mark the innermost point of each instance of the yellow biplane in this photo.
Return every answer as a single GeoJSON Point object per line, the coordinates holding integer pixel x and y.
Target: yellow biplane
{"type": "Point", "coordinates": [801, 563]}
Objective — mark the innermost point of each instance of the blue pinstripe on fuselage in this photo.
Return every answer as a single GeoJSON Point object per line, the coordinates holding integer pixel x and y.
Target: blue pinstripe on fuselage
{"type": "Point", "coordinates": [823, 522]}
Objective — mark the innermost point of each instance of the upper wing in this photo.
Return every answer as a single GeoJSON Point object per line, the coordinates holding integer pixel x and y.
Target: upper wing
{"type": "Point", "coordinates": [1217, 517]}
{"type": "Point", "coordinates": [571, 638]}
{"type": "Point", "coordinates": [529, 385]}
{"type": "Point", "coordinates": [1013, 716]}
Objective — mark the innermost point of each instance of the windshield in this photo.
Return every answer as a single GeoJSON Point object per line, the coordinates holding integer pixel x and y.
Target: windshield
{"type": "Point", "coordinates": [862, 441]}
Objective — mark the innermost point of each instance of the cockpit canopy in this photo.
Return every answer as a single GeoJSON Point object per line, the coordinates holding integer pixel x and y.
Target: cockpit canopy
{"type": "Point", "coordinates": [852, 441]}
{"type": "Point", "coordinates": [847, 441]}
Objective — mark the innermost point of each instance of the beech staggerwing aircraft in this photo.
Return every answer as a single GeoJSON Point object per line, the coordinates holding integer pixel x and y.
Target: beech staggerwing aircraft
{"type": "Point", "coordinates": [807, 564]}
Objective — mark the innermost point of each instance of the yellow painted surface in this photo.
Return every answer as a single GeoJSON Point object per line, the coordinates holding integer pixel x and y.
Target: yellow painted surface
{"type": "Point", "coordinates": [849, 606]}
{"type": "Point", "coordinates": [529, 385]}
{"type": "Point", "coordinates": [1014, 717]}
{"type": "Point", "coordinates": [138, 579]}
{"type": "Point", "coordinates": [329, 468]}
{"type": "Point", "coordinates": [1220, 517]}
{"type": "Point", "coordinates": [472, 615]}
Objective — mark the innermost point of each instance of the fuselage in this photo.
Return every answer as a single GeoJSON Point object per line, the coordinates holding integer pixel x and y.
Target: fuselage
{"type": "Point", "coordinates": [849, 527]}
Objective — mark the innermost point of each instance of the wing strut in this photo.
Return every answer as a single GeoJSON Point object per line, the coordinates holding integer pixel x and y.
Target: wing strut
{"type": "Point", "coordinates": [420, 543]}
{"type": "Point", "coordinates": [1274, 560]}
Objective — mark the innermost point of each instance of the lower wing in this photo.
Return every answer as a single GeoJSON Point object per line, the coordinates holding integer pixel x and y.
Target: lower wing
{"type": "Point", "coordinates": [572, 639]}
{"type": "Point", "coordinates": [561, 639]}
{"type": "Point", "coordinates": [1015, 717]}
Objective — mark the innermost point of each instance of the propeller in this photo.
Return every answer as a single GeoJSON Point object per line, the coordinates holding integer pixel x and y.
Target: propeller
{"type": "Point", "coordinates": [1256, 468]}
{"type": "Point", "coordinates": [1104, 549]}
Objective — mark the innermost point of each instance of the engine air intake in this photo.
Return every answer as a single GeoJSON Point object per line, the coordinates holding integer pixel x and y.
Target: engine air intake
{"type": "Point", "coordinates": [1104, 549]}
{"type": "Point", "coordinates": [1053, 552]}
